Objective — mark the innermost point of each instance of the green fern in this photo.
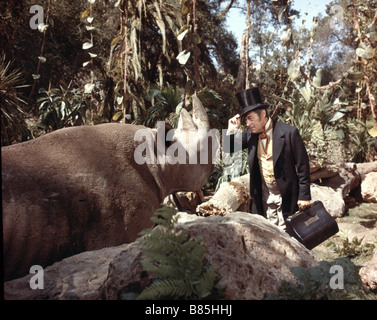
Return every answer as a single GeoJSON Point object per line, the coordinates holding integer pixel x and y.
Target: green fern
{"type": "Point", "coordinates": [177, 262]}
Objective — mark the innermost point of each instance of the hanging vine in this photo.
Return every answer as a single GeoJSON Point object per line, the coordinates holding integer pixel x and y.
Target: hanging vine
{"type": "Point", "coordinates": [124, 54]}
{"type": "Point", "coordinates": [41, 59]}
{"type": "Point", "coordinates": [88, 88]}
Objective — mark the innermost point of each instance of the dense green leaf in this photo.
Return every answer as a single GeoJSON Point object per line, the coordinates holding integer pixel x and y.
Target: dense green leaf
{"type": "Point", "coordinates": [338, 115]}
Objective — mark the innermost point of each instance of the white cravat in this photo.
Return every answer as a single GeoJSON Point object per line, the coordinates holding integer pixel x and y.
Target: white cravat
{"type": "Point", "coordinates": [268, 133]}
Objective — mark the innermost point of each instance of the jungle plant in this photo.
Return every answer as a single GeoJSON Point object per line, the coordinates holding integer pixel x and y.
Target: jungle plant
{"type": "Point", "coordinates": [164, 102]}
{"type": "Point", "coordinates": [315, 283]}
{"type": "Point", "coordinates": [350, 248]}
{"type": "Point", "coordinates": [321, 117]}
{"type": "Point", "coordinates": [60, 107]}
{"type": "Point", "coordinates": [176, 260]}
{"type": "Point", "coordinates": [334, 105]}
{"type": "Point", "coordinates": [231, 167]}
{"type": "Point", "coordinates": [13, 126]}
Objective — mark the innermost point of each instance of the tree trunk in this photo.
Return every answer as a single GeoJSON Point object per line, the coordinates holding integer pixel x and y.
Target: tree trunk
{"type": "Point", "coordinates": [231, 196]}
{"type": "Point", "coordinates": [235, 195]}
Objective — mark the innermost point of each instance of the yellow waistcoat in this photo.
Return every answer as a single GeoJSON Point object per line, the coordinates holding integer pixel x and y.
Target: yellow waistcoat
{"type": "Point", "coordinates": [265, 160]}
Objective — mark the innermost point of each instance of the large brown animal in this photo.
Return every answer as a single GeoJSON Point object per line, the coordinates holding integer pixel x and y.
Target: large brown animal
{"type": "Point", "coordinates": [80, 188]}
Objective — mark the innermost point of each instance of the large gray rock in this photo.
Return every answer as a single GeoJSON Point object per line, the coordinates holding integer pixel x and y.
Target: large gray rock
{"type": "Point", "coordinates": [252, 257]}
{"type": "Point", "coordinates": [368, 273]}
{"type": "Point", "coordinates": [366, 167]}
{"type": "Point", "coordinates": [332, 199]}
{"type": "Point", "coordinates": [75, 278]}
{"type": "Point", "coordinates": [369, 187]}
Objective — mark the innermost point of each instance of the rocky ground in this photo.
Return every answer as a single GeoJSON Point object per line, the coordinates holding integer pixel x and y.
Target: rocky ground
{"type": "Point", "coordinates": [357, 239]}
{"type": "Point", "coordinates": [360, 222]}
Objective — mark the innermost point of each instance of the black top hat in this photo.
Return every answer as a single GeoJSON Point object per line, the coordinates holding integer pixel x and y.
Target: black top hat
{"type": "Point", "coordinates": [249, 100]}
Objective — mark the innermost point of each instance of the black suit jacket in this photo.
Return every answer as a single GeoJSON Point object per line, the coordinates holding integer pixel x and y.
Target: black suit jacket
{"type": "Point", "coordinates": [291, 166]}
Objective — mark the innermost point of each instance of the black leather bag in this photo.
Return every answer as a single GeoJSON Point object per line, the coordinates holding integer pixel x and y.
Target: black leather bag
{"type": "Point", "coordinates": [312, 226]}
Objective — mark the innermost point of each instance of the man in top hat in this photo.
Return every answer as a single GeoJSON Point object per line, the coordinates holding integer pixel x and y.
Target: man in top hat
{"type": "Point", "coordinates": [278, 161]}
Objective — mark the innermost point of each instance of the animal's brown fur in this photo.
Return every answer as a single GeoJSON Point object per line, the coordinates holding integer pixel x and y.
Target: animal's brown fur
{"type": "Point", "coordinates": [79, 189]}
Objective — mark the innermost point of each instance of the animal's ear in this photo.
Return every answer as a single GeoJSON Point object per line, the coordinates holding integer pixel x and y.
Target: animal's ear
{"type": "Point", "coordinates": [185, 121]}
{"type": "Point", "coordinates": [199, 114]}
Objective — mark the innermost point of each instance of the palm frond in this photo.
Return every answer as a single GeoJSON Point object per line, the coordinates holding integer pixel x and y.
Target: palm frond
{"type": "Point", "coordinates": [13, 126]}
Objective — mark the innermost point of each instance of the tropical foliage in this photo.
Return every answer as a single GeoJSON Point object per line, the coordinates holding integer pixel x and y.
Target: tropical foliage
{"type": "Point", "coordinates": [137, 60]}
{"type": "Point", "coordinates": [177, 262]}
{"type": "Point", "coordinates": [13, 126]}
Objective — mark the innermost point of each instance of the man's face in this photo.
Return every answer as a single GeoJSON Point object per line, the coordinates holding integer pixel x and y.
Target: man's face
{"type": "Point", "coordinates": [254, 122]}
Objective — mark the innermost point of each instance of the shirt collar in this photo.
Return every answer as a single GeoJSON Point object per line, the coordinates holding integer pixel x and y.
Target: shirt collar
{"type": "Point", "coordinates": [267, 125]}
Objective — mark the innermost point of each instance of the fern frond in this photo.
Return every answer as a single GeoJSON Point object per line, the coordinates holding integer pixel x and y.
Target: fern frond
{"type": "Point", "coordinates": [204, 286]}
{"type": "Point", "coordinates": [166, 288]}
{"type": "Point", "coordinates": [176, 260]}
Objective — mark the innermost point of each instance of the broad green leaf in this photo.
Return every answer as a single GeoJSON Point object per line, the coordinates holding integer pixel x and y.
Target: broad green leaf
{"type": "Point", "coordinates": [182, 34]}
{"type": "Point", "coordinates": [87, 45]}
{"type": "Point", "coordinates": [340, 134]}
{"type": "Point", "coordinates": [294, 69]}
{"type": "Point", "coordinates": [305, 93]}
{"type": "Point", "coordinates": [284, 100]}
{"type": "Point", "coordinates": [183, 57]}
{"type": "Point", "coordinates": [338, 115]}
{"type": "Point", "coordinates": [373, 132]}
{"type": "Point", "coordinates": [371, 126]}
{"type": "Point", "coordinates": [317, 81]}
